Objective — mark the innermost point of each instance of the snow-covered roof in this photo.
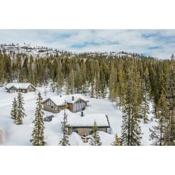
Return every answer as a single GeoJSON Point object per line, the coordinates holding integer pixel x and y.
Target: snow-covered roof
{"type": "Point", "coordinates": [62, 100]}
{"type": "Point", "coordinates": [88, 120]}
{"type": "Point", "coordinates": [59, 101]}
{"type": "Point", "coordinates": [18, 85]}
{"type": "Point", "coordinates": [74, 97]}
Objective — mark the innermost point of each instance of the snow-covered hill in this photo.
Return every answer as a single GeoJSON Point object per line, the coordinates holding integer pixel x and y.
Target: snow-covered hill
{"type": "Point", "coordinates": [40, 51]}
{"type": "Point", "coordinates": [21, 134]}
{"type": "Point", "coordinates": [35, 51]}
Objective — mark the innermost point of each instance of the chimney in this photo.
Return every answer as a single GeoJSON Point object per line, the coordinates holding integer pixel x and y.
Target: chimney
{"type": "Point", "coordinates": [82, 113]}
{"type": "Point", "coordinates": [73, 98]}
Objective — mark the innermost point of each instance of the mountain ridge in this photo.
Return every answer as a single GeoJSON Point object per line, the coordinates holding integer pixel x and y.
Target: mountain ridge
{"type": "Point", "coordinates": [43, 51]}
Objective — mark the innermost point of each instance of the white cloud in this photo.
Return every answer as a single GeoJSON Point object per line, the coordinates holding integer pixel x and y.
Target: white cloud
{"type": "Point", "coordinates": [140, 41]}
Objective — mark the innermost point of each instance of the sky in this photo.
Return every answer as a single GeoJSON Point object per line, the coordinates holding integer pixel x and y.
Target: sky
{"type": "Point", "coordinates": [156, 43]}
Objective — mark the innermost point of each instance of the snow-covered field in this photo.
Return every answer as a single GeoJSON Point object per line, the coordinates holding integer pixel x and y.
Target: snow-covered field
{"type": "Point", "coordinates": [21, 134]}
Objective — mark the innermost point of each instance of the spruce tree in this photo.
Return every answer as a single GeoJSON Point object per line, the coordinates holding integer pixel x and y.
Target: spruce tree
{"type": "Point", "coordinates": [160, 133]}
{"type": "Point", "coordinates": [157, 132]}
{"type": "Point", "coordinates": [131, 131]}
{"type": "Point", "coordinates": [145, 107]}
{"type": "Point", "coordinates": [71, 82]}
{"type": "Point", "coordinates": [171, 105]}
{"type": "Point", "coordinates": [95, 139]}
{"type": "Point", "coordinates": [112, 83]}
{"type": "Point", "coordinates": [20, 110]}
{"type": "Point", "coordinates": [65, 139]}
{"type": "Point", "coordinates": [117, 141]}
{"type": "Point", "coordinates": [97, 81]}
{"type": "Point", "coordinates": [38, 130]}
{"type": "Point", "coordinates": [14, 109]}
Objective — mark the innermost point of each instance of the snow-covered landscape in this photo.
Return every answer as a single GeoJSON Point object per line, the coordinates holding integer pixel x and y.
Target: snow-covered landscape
{"type": "Point", "coordinates": [21, 134]}
{"type": "Point", "coordinates": [87, 87]}
{"type": "Point", "coordinates": [84, 94]}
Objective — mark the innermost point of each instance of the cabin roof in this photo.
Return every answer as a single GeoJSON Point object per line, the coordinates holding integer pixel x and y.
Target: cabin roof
{"type": "Point", "coordinates": [62, 100]}
{"type": "Point", "coordinates": [59, 101]}
{"type": "Point", "coordinates": [18, 85]}
{"type": "Point", "coordinates": [88, 120]}
{"type": "Point", "coordinates": [75, 97]}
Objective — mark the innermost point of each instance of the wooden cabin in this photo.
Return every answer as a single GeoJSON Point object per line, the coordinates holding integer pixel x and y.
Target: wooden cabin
{"type": "Point", "coordinates": [84, 124]}
{"type": "Point", "coordinates": [20, 87]}
{"type": "Point", "coordinates": [75, 103]}
{"type": "Point", "coordinates": [54, 104]}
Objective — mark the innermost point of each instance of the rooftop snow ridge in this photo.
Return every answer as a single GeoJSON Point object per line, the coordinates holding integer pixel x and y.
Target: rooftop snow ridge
{"type": "Point", "coordinates": [18, 85]}
{"type": "Point", "coordinates": [88, 120]}
{"type": "Point", "coordinates": [61, 100]}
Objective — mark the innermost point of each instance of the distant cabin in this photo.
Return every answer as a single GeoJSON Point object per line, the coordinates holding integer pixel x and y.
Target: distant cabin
{"type": "Point", "coordinates": [83, 125]}
{"type": "Point", "coordinates": [20, 87]}
{"type": "Point", "coordinates": [75, 103]}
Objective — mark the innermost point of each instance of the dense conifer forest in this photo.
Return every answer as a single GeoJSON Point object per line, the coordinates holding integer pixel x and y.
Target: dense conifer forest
{"type": "Point", "coordinates": [130, 81]}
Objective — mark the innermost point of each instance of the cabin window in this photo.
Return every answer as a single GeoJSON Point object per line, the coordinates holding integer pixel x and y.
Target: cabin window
{"type": "Point", "coordinates": [81, 105]}
{"type": "Point", "coordinates": [75, 130]}
{"type": "Point", "coordinates": [12, 90]}
{"type": "Point", "coordinates": [76, 107]}
{"type": "Point", "coordinates": [90, 131]}
{"type": "Point", "coordinates": [48, 102]}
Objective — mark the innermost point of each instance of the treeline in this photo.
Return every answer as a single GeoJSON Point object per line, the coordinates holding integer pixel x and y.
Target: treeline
{"type": "Point", "coordinates": [131, 82]}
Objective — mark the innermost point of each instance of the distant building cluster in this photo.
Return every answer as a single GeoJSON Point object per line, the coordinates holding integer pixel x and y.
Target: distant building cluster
{"type": "Point", "coordinates": [82, 124]}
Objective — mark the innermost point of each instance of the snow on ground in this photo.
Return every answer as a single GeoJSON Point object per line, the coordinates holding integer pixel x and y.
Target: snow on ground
{"type": "Point", "coordinates": [76, 140]}
{"type": "Point", "coordinates": [21, 134]}
{"type": "Point", "coordinates": [106, 139]}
